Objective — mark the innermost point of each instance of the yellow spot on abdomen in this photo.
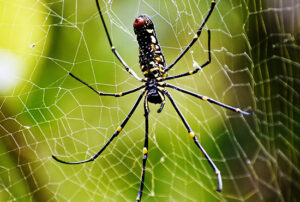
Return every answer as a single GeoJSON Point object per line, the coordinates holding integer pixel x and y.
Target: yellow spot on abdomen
{"type": "Point", "coordinates": [120, 94]}
{"type": "Point", "coordinates": [145, 150]}
{"type": "Point", "coordinates": [153, 47]}
{"type": "Point", "coordinates": [204, 98]}
{"type": "Point", "coordinates": [237, 110]}
{"type": "Point", "coordinates": [158, 59]}
{"type": "Point", "coordinates": [153, 69]}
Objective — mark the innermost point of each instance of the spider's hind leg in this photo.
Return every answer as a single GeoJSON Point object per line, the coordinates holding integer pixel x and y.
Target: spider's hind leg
{"type": "Point", "coordinates": [199, 31]}
{"type": "Point", "coordinates": [197, 68]}
{"type": "Point", "coordinates": [113, 48]}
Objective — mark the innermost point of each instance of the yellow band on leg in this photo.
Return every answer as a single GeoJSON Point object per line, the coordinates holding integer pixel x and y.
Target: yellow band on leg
{"type": "Point", "coordinates": [192, 134]}
{"type": "Point", "coordinates": [145, 150]}
{"type": "Point", "coordinates": [119, 129]}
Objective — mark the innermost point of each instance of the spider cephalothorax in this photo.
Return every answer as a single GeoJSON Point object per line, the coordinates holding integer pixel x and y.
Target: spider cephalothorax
{"type": "Point", "coordinates": [153, 66]}
{"type": "Point", "coordinates": [155, 93]}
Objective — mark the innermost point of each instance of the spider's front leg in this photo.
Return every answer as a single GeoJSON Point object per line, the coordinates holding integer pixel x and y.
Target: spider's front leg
{"type": "Point", "coordinates": [145, 151]}
{"type": "Point", "coordinates": [192, 135]}
{"type": "Point", "coordinates": [116, 133]}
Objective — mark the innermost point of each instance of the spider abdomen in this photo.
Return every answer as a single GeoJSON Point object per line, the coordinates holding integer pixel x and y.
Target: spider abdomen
{"type": "Point", "coordinates": [151, 58]}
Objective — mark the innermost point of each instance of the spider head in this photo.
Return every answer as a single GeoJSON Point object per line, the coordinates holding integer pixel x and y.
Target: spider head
{"type": "Point", "coordinates": [142, 23]}
{"type": "Point", "coordinates": [153, 94]}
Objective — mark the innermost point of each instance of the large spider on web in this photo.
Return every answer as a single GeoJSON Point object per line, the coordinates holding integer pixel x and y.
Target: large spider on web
{"type": "Point", "coordinates": [154, 68]}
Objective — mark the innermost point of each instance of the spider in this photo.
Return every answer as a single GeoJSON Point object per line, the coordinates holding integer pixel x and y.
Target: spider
{"type": "Point", "coordinates": [154, 67]}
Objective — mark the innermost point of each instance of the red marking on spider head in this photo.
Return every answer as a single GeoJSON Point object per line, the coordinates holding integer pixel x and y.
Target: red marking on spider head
{"type": "Point", "coordinates": [139, 22]}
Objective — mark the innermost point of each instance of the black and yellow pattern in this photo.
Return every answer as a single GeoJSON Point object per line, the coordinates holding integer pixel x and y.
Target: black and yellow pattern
{"type": "Point", "coordinates": [151, 59]}
{"type": "Point", "coordinates": [154, 68]}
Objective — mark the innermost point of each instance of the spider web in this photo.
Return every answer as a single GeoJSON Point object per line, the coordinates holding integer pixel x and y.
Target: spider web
{"type": "Point", "coordinates": [255, 66]}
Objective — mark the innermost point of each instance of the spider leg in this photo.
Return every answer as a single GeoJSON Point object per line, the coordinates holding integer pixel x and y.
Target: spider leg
{"type": "Point", "coordinates": [163, 102]}
{"type": "Point", "coordinates": [192, 135]}
{"type": "Point", "coordinates": [116, 133]}
{"type": "Point", "coordinates": [204, 98]}
{"type": "Point", "coordinates": [213, 3]}
{"type": "Point", "coordinates": [146, 105]}
{"type": "Point", "coordinates": [113, 49]}
{"type": "Point", "coordinates": [198, 68]}
{"type": "Point", "coordinates": [145, 153]}
{"type": "Point", "coordinates": [107, 94]}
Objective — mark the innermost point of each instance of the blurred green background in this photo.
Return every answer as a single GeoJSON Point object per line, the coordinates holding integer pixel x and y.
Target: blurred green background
{"type": "Point", "coordinates": [43, 111]}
